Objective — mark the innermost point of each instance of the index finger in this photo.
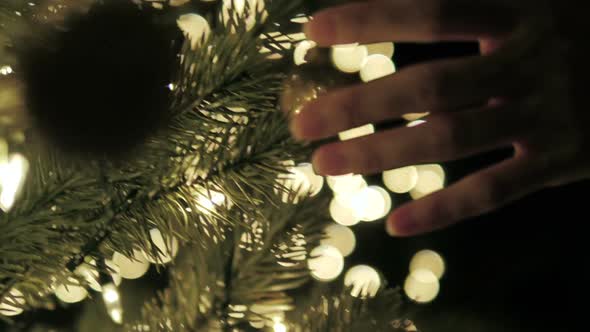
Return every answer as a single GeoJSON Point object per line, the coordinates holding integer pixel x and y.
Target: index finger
{"type": "Point", "coordinates": [409, 20]}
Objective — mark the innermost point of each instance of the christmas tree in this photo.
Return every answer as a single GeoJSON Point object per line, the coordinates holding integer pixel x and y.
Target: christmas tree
{"type": "Point", "coordinates": [106, 169]}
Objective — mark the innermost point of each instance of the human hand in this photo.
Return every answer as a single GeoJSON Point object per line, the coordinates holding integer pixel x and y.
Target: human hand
{"type": "Point", "coordinates": [534, 80]}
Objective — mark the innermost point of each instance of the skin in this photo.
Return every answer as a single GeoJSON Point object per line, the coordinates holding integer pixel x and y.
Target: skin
{"type": "Point", "coordinates": [524, 90]}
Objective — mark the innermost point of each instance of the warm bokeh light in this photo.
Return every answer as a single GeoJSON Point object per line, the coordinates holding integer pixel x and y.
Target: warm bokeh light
{"type": "Point", "coordinates": [386, 48]}
{"type": "Point", "coordinates": [356, 132]}
{"type": "Point", "coordinates": [376, 66]}
{"type": "Point", "coordinates": [316, 182]}
{"type": "Point", "coordinates": [5, 70]}
{"type": "Point", "coordinates": [428, 260]}
{"type": "Point", "coordinates": [371, 203]}
{"type": "Point", "coordinates": [364, 280]}
{"type": "Point", "coordinates": [346, 184]}
{"type": "Point", "coordinates": [414, 116]}
{"type": "Point", "coordinates": [13, 174]}
{"type": "Point", "coordinates": [422, 286]}
{"type": "Point", "coordinates": [245, 10]}
{"type": "Point", "coordinates": [131, 268]}
{"type": "Point", "coordinates": [325, 263]}
{"type": "Point", "coordinates": [112, 302]}
{"type": "Point", "coordinates": [207, 201]}
{"type": "Point", "coordinates": [165, 251]}
{"type": "Point", "coordinates": [301, 19]}
{"type": "Point", "coordinates": [89, 272]}
{"type": "Point", "coordinates": [348, 58]}
{"type": "Point", "coordinates": [195, 28]}
{"type": "Point", "coordinates": [401, 180]}
{"type": "Point", "coordinates": [340, 237]}
{"type": "Point", "coordinates": [72, 293]}
{"type": "Point", "coordinates": [415, 123]}
{"type": "Point", "coordinates": [342, 214]}
{"type": "Point", "coordinates": [294, 186]}
{"type": "Point", "coordinates": [431, 178]}
{"type": "Point", "coordinates": [12, 302]}
{"type": "Point", "coordinates": [301, 51]}
{"type": "Point", "coordinates": [279, 326]}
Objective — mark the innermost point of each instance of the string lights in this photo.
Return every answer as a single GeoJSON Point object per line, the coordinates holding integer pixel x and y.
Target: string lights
{"type": "Point", "coordinates": [13, 172]}
{"type": "Point", "coordinates": [112, 301]}
{"type": "Point", "coordinates": [341, 238]}
{"type": "Point", "coordinates": [348, 58]}
{"type": "Point", "coordinates": [375, 67]}
{"type": "Point", "coordinates": [325, 263]}
{"type": "Point", "coordinates": [6, 70]}
{"type": "Point", "coordinates": [364, 281]}
{"type": "Point", "coordinates": [422, 284]}
{"type": "Point", "coordinates": [12, 303]}
{"type": "Point", "coordinates": [401, 180]}
{"type": "Point", "coordinates": [163, 251]}
{"type": "Point", "coordinates": [195, 27]}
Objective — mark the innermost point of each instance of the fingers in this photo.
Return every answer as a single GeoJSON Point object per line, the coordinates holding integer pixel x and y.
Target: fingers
{"type": "Point", "coordinates": [445, 136]}
{"type": "Point", "coordinates": [438, 86]}
{"type": "Point", "coordinates": [408, 20]}
{"type": "Point", "coordinates": [479, 193]}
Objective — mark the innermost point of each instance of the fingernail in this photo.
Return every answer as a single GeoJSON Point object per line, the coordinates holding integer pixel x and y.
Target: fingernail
{"type": "Point", "coordinates": [391, 231]}
{"type": "Point", "coordinates": [401, 224]}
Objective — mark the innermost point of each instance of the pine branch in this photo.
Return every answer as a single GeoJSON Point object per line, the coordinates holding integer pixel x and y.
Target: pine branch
{"type": "Point", "coordinates": [337, 310]}
{"type": "Point", "coordinates": [249, 168]}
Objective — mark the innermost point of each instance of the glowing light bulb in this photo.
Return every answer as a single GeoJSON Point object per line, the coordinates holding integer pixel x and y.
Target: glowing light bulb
{"type": "Point", "coordinates": [110, 293]}
{"type": "Point", "coordinates": [5, 70]}
{"type": "Point", "coordinates": [279, 326]}
{"type": "Point", "coordinates": [422, 286]}
{"type": "Point", "coordinates": [371, 203]}
{"type": "Point", "coordinates": [116, 315]}
{"type": "Point", "coordinates": [415, 123]}
{"type": "Point", "coordinates": [301, 51]}
{"type": "Point", "coordinates": [165, 250]}
{"type": "Point", "coordinates": [316, 182]}
{"type": "Point", "coordinates": [12, 303]}
{"type": "Point", "coordinates": [348, 58]}
{"type": "Point", "coordinates": [364, 280]}
{"type": "Point", "coordinates": [71, 293]}
{"type": "Point", "coordinates": [12, 177]}
{"type": "Point", "coordinates": [414, 116]}
{"type": "Point", "coordinates": [112, 302]}
{"type": "Point", "coordinates": [428, 260]}
{"type": "Point", "coordinates": [195, 27]}
{"type": "Point", "coordinates": [243, 10]}
{"type": "Point", "coordinates": [341, 238]}
{"type": "Point", "coordinates": [356, 132]}
{"type": "Point", "coordinates": [292, 187]}
{"type": "Point", "coordinates": [343, 214]}
{"type": "Point", "coordinates": [90, 273]}
{"type": "Point", "coordinates": [131, 268]}
{"type": "Point", "coordinates": [326, 263]}
{"type": "Point", "coordinates": [386, 48]}
{"type": "Point", "coordinates": [300, 19]}
{"type": "Point", "coordinates": [375, 67]}
{"type": "Point", "coordinates": [431, 178]}
{"type": "Point", "coordinates": [207, 201]}
{"type": "Point", "coordinates": [401, 180]}
{"type": "Point", "coordinates": [345, 184]}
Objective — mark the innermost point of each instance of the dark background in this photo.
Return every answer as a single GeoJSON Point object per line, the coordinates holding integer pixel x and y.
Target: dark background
{"type": "Point", "coordinates": [520, 268]}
